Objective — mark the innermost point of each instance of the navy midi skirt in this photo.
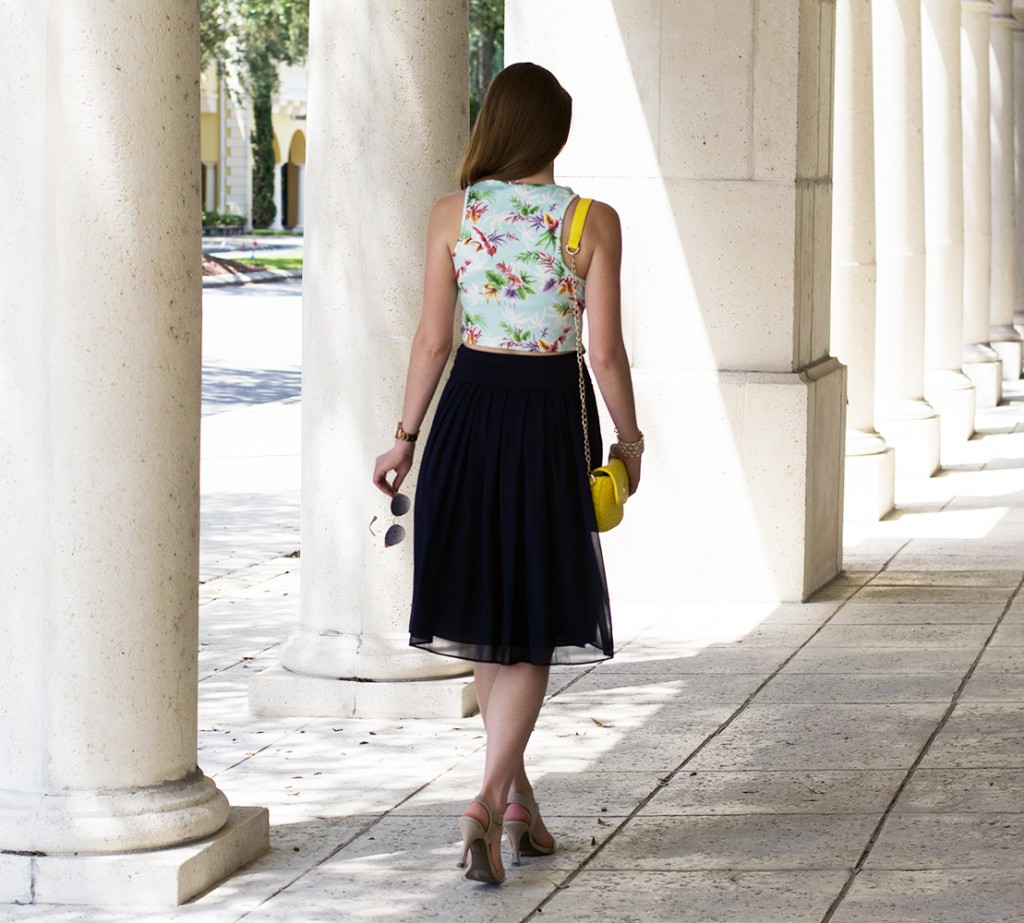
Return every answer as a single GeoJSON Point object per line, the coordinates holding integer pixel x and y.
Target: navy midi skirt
{"type": "Point", "coordinates": [508, 565]}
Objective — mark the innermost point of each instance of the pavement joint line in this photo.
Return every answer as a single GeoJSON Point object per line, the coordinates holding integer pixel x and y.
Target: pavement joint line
{"type": "Point", "coordinates": [942, 722]}
{"type": "Point", "coordinates": [883, 568]}
{"type": "Point", "coordinates": [373, 822]}
{"type": "Point", "coordinates": [302, 874]}
{"type": "Point", "coordinates": [244, 659]}
{"type": "Point", "coordinates": [664, 781]}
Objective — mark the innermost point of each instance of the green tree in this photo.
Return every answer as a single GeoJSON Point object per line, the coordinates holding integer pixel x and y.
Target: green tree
{"type": "Point", "coordinates": [486, 48]}
{"type": "Point", "coordinates": [250, 38]}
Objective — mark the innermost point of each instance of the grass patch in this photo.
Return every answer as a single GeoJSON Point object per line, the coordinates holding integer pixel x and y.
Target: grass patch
{"type": "Point", "coordinates": [274, 262]}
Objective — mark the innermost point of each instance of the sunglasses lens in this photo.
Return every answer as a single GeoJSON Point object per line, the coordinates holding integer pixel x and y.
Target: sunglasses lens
{"type": "Point", "coordinates": [400, 504]}
{"type": "Point", "coordinates": [393, 536]}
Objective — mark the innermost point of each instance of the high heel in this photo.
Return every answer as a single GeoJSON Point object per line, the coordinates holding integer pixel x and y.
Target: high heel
{"type": "Point", "coordinates": [476, 846]}
{"type": "Point", "coordinates": [520, 833]}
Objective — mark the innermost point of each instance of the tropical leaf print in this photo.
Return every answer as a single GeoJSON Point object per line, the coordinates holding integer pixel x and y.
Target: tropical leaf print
{"type": "Point", "coordinates": [548, 227]}
{"type": "Point", "coordinates": [521, 210]}
{"type": "Point", "coordinates": [509, 254]}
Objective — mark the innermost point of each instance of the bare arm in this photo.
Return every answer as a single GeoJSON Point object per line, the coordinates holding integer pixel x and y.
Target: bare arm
{"type": "Point", "coordinates": [432, 343]}
{"type": "Point", "coordinates": [605, 346]}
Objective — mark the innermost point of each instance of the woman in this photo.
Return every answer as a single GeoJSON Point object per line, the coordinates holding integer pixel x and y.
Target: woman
{"type": "Point", "coordinates": [508, 568]}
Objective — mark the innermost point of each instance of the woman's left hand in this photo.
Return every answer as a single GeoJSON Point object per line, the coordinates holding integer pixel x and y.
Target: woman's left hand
{"type": "Point", "coordinates": [397, 459]}
{"type": "Point", "coordinates": [632, 466]}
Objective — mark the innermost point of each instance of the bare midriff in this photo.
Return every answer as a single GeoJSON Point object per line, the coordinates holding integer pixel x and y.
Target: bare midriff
{"type": "Point", "coordinates": [515, 352]}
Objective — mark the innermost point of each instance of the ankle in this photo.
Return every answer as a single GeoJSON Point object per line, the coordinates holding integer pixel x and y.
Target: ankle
{"type": "Point", "coordinates": [480, 810]}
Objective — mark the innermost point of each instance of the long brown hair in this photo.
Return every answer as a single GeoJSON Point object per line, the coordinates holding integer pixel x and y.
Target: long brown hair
{"type": "Point", "coordinates": [522, 125]}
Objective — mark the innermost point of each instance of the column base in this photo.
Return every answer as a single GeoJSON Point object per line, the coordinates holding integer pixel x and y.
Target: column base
{"type": "Point", "coordinates": [869, 486]}
{"type": "Point", "coordinates": [984, 368]}
{"type": "Point", "coordinates": [278, 692]}
{"type": "Point", "coordinates": [953, 396]}
{"type": "Point", "coordinates": [377, 658]}
{"type": "Point", "coordinates": [912, 429]}
{"type": "Point", "coordinates": [1007, 343]}
{"type": "Point", "coordinates": [158, 878]}
{"type": "Point", "coordinates": [750, 507]}
{"type": "Point", "coordinates": [149, 817]}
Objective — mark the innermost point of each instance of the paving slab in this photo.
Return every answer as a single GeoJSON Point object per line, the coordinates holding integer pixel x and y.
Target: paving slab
{"type": "Point", "coordinates": [1009, 579]}
{"type": "Point", "coordinates": [811, 737]}
{"type": "Point", "coordinates": [733, 659]}
{"type": "Point", "coordinates": [934, 896]}
{"type": "Point", "coordinates": [934, 594]}
{"type": "Point", "coordinates": [776, 792]}
{"type": "Point", "coordinates": [688, 689]}
{"type": "Point", "coordinates": [747, 842]}
{"type": "Point", "coordinates": [872, 659]}
{"type": "Point", "coordinates": [914, 635]}
{"type": "Point", "coordinates": [991, 684]}
{"type": "Point", "coordinates": [859, 688]}
{"type": "Point", "coordinates": [695, 897]}
{"type": "Point", "coordinates": [912, 840]}
{"type": "Point", "coordinates": [979, 791]}
{"type": "Point", "coordinates": [856, 612]}
{"type": "Point", "coordinates": [339, 892]}
{"type": "Point", "coordinates": [979, 735]}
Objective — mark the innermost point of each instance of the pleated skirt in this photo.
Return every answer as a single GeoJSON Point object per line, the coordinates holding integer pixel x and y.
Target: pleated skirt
{"type": "Point", "coordinates": [508, 564]}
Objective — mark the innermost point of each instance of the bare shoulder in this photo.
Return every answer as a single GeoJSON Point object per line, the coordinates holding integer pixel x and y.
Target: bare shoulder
{"type": "Point", "coordinates": [446, 217]}
{"type": "Point", "coordinates": [448, 206]}
{"type": "Point", "coordinates": [603, 221]}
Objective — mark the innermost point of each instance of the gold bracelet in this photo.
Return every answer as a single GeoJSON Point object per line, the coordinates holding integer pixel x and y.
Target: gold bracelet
{"type": "Point", "coordinates": [404, 436]}
{"type": "Point", "coordinates": [631, 449]}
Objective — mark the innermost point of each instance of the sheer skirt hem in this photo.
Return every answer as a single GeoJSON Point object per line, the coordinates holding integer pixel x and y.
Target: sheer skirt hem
{"type": "Point", "coordinates": [562, 655]}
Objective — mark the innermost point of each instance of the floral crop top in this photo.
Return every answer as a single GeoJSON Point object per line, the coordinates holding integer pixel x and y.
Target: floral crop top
{"type": "Point", "coordinates": [514, 287]}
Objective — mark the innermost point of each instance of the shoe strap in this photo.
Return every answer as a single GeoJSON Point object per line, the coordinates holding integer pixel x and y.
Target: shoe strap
{"type": "Point", "coordinates": [496, 818]}
{"type": "Point", "coordinates": [526, 802]}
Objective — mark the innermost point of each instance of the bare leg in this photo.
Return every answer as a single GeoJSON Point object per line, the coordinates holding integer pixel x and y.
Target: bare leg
{"type": "Point", "coordinates": [510, 698]}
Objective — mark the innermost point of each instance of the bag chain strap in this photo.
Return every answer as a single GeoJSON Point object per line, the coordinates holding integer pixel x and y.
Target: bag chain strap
{"type": "Point", "coordinates": [579, 358]}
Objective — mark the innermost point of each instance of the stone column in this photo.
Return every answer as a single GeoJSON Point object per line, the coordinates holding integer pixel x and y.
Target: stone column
{"type": "Point", "coordinates": [100, 394]}
{"type": "Point", "coordinates": [276, 224]}
{"type": "Point", "coordinates": [905, 418]}
{"type": "Point", "coordinates": [981, 362]}
{"type": "Point", "coordinates": [1004, 336]}
{"type": "Point", "coordinates": [1018, 142]}
{"type": "Point", "coordinates": [210, 204]}
{"type": "Point", "coordinates": [947, 389]}
{"type": "Point", "coordinates": [300, 196]}
{"type": "Point", "coordinates": [870, 461]}
{"type": "Point", "coordinates": [374, 172]}
{"type": "Point", "coordinates": [720, 168]}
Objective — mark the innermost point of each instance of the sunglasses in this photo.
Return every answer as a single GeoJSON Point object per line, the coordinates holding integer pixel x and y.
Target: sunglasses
{"type": "Point", "coordinates": [400, 505]}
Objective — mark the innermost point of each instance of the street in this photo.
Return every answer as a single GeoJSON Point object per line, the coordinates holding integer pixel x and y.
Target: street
{"type": "Point", "coordinates": [251, 429]}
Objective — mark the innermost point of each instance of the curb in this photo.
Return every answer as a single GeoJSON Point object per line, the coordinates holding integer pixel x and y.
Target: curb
{"type": "Point", "coordinates": [241, 278]}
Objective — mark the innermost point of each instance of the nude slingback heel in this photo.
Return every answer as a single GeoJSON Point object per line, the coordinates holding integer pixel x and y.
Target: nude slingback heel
{"type": "Point", "coordinates": [476, 842]}
{"type": "Point", "coordinates": [520, 833]}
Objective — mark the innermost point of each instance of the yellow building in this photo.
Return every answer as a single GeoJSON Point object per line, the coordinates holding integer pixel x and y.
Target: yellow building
{"type": "Point", "coordinates": [225, 145]}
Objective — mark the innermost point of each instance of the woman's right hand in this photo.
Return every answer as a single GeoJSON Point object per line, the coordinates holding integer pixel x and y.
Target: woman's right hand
{"type": "Point", "coordinates": [398, 459]}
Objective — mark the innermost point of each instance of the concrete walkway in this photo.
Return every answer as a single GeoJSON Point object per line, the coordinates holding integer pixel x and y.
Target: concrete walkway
{"type": "Point", "coordinates": [857, 758]}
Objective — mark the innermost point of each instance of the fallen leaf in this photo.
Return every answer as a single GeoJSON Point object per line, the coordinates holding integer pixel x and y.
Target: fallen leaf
{"type": "Point", "coordinates": [598, 723]}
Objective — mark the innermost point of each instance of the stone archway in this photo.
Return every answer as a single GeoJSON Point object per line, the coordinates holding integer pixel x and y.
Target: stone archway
{"type": "Point", "coordinates": [293, 181]}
